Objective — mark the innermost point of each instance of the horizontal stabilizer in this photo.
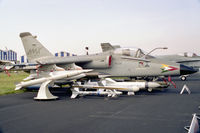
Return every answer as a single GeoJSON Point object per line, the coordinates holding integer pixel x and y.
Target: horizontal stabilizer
{"type": "Point", "coordinates": [63, 61]}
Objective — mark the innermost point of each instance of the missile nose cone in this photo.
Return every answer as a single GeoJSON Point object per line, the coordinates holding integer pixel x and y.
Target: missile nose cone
{"type": "Point", "coordinates": [184, 70]}
{"type": "Point", "coordinates": [87, 70]}
{"type": "Point", "coordinates": [18, 87]}
{"type": "Point", "coordinates": [153, 84]}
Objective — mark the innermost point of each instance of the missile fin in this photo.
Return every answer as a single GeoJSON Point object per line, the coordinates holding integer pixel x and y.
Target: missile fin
{"type": "Point", "coordinates": [74, 92]}
{"type": "Point", "coordinates": [109, 81]}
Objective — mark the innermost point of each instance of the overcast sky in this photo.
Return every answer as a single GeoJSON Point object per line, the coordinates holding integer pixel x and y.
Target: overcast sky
{"type": "Point", "coordinates": [70, 25]}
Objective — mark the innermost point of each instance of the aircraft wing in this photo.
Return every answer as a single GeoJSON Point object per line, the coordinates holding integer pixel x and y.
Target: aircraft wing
{"type": "Point", "coordinates": [179, 59]}
{"type": "Point", "coordinates": [189, 61]}
{"type": "Point", "coordinates": [64, 60]}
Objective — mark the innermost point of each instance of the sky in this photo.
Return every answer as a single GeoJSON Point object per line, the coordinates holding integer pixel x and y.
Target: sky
{"type": "Point", "coordinates": [71, 25]}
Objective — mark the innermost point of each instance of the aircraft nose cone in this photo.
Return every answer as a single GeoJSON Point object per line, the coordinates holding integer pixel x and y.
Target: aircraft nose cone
{"type": "Point", "coordinates": [184, 70]}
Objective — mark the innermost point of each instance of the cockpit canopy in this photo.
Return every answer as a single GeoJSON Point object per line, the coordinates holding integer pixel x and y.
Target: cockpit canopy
{"type": "Point", "coordinates": [133, 52]}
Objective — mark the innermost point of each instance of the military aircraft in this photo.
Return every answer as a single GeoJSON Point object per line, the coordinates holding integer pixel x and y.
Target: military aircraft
{"type": "Point", "coordinates": [114, 61]}
{"type": "Point", "coordinates": [189, 59]}
{"type": "Point", "coordinates": [5, 66]}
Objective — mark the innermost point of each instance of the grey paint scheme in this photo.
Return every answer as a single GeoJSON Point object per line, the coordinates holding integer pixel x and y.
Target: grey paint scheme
{"type": "Point", "coordinates": [132, 68]}
{"type": "Point", "coordinates": [99, 62]}
{"type": "Point", "coordinates": [36, 50]}
{"type": "Point", "coordinates": [124, 67]}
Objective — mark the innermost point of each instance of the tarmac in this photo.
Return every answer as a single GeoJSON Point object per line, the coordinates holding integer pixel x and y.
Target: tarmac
{"type": "Point", "coordinates": [159, 111]}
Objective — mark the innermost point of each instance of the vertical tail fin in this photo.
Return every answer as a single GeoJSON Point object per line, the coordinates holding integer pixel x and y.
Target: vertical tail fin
{"type": "Point", "coordinates": [33, 48]}
{"type": "Point", "coordinates": [108, 47]}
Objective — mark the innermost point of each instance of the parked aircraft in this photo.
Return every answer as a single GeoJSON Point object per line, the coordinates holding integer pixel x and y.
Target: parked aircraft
{"type": "Point", "coordinates": [113, 61]}
{"type": "Point", "coordinates": [5, 66]}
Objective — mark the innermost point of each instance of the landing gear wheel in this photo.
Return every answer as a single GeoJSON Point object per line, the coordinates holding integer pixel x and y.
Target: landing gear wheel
{"type": "Point", "coordinates": [183, 78]}
{"type": "Point", "coordinates": [149, 89]}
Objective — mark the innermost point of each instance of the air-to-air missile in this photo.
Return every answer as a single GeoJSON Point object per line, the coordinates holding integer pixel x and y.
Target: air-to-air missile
{"type": "Point", "coordinates": [110, 84]}
{"type": "Point", "coordinates": [110, 93]}
{"type": "Point", "coordinates": [51, 77]}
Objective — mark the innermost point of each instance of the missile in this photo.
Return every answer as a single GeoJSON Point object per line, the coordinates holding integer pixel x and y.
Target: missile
{"type": "Point", "coordinates": [109, 93]}
{"type": "Point", "coordinates": [135, 86]}
{"type": "Point", "coordinates": [52, 77]}
{"type": "Point", "coordinates": [109, 83]}
{"type": "Point", "coordinates": [129, 86]}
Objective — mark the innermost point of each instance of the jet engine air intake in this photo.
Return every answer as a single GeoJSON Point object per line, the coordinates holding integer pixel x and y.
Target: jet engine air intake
{"type": "Point", "coordinates": [100, 63]}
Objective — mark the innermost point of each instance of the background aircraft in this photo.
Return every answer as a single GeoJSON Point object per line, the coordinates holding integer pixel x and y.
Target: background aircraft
{"type": "Point", "coordinates": [5, 66]}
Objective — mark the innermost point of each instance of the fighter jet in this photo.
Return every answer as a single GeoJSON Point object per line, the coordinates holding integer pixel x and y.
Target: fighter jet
{"type": "Point", "coordinates": [113, 61]}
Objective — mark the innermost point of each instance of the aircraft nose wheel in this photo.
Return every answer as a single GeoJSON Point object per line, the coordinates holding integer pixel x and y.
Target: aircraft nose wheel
{"type": "Point", "coordinates": [183, 78]}
{"type": "Point", "coordinates": [149, 89]}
